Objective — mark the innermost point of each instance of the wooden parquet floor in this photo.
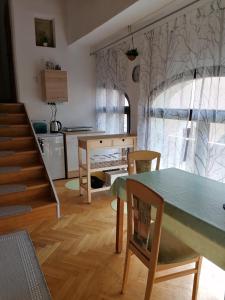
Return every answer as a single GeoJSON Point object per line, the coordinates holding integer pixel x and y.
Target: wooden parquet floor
{"type": "Point", "coordinates": [78, 259]}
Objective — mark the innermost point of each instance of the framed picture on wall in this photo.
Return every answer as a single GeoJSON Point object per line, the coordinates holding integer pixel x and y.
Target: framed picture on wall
{"type": "Point", "coordinates": [44, 32]}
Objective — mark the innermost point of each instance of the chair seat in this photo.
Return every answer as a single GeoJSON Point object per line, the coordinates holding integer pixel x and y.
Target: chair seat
{"type": "Point", "coordinates": [172, 250]}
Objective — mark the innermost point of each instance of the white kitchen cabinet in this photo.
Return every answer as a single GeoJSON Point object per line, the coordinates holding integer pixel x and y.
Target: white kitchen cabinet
{"type": "Point", "coordinates": [52, 147]}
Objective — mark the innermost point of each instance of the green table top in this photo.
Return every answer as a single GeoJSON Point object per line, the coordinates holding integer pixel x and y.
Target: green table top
{"type": "Point", "coordinates": [194, 201]}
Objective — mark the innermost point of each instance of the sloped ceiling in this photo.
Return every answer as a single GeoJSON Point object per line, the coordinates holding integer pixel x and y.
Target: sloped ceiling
{"type": "Point", "coordinates": [83, 16]}
{"type": "Point", "coordinates": [137, 14]}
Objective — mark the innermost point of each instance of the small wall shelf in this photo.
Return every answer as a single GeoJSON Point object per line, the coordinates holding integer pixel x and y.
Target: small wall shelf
{"type": "Point", "coordinates": [44, 33]}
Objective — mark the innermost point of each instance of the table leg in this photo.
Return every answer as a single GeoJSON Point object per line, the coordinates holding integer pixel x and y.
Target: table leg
{"type": "Point", "coordinates": [119, 225]}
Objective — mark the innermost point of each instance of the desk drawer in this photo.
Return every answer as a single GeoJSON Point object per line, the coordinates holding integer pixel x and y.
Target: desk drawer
{"type": "Point", "coordinates": [101, 143]}
{"type": "Point", "coordinates": [124, 141]}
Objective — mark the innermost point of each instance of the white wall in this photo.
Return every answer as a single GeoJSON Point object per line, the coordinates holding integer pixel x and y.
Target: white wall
{"type": "Point", "coordinates": [30, 60]}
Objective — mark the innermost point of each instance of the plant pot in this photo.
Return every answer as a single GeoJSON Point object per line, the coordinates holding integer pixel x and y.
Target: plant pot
{"type": "Point", "coordinates": [45, 44]}
{"type": "Point", "coordinates": [131, 57]}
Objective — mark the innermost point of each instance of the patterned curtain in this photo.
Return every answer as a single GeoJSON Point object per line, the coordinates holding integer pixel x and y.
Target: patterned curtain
{"type": "Point", "coordinates": [111, 68]}
{"type": "Point", "coordinates": [182, 96]}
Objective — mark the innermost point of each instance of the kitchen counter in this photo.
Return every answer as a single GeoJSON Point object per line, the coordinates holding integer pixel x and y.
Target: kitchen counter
{"type": "Point", "coordinates": [83, 132]}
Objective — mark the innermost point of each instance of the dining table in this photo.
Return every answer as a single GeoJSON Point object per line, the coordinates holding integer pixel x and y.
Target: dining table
{"type": "Point", "coordinates": [193, 209]}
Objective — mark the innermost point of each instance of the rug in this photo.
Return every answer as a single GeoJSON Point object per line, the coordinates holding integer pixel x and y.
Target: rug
{"type": "Point", "coordinates": [114, 206]}
{"type": "Point", "coordinates": [20, 273]}
{"type": "Point", "coordinates": [14, 210]}
{"type": "Point", "coordinates": [73, 184]}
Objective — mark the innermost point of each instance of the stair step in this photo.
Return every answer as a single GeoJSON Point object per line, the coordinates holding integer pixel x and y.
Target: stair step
{"type": "Point", "coordinates": [14, 210]}
{"type": "Point", "coordinates": [41, 210]}
{"type": "Point", "coordinates": [6, 153]}
{"type": "Point", "coordinates": [11, 188]}
{"type": "Point", "coordinates": [13, 119]}
{"type": "Point", "coordinates": [11, 108]}
{"type": "Point", "coordinates": [14, 130]}
{"type": "Point", "coordinates": [12, 169]}
{"type": "Point", "coordinates": [17, 143]}
{"type": "Point", "coordinates": [16, 188]}
{"type": "Point", "coordinates": [33, 203]}
{"type": "Point", "coordinates": [24, 191]}
{"type": "Point", "coordinates": [22, 158]}
{"type": "Point", "coordinates": [14, 175]}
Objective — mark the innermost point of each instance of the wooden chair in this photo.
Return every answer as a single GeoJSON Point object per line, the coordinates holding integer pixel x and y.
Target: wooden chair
{"type": "Point", "coordinates": [156, 248]}
{"type": "Point", "coordinates": [141, 161]}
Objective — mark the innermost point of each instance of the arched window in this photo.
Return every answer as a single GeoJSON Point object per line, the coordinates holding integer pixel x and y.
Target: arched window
{"type": "Point", "coordinates": [187, 124]}
{"type": "Point", "coordinates": [113, 111]}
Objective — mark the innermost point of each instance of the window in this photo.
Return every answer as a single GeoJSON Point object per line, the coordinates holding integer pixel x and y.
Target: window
{"type": "Point", "coordinates": [113, 111]}
{"type": "Point", "coordinates": [126, 114]}
{"type": "Point", "coordinates": [191, 116]}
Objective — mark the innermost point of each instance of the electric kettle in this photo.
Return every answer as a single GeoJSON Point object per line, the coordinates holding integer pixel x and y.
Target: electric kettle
{"type": "Point", "coordinates": [55, 126]}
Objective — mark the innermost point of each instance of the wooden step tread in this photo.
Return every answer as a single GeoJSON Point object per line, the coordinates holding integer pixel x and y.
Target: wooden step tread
{"type": "Point", "coordinates": [14, 210]}
{"type": "Point", "coordinates": [6, 153]}
{"type": "Point", "coordinates": [27, 166]}
{"type": "Point", "coordinates": [12, 107]}
{"type": "Point", "coordinates": [6, 189]}
{"type": "Point", "coordinates": [19, 138]}
{"type": "Point", "coordinates": [11, 104]}
{"type": "Point", "coordinates": [22, 186]}
{"type": "Point", "coordinates": [35, 183]}
{"type": "Point", "coordinates": [34, 204]}
{"type": "Point", "coordinates": [3, 114]}
{"type": "Point", "coordinates": [15, 169]}
{"type": "Point", "coordinates": [11, 169]}
{"type": "Point", "coordinates": [16, 126]}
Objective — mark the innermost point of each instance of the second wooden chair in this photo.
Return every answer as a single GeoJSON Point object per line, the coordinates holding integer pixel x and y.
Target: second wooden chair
{"type": "Point", "coordinates": [141, 161]}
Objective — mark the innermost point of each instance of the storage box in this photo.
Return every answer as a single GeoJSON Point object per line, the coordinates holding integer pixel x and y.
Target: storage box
{"type": "Point", "coordinates": [112, 175]}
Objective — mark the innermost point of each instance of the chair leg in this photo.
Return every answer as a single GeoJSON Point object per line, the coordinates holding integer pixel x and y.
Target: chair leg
{"type": "Point", "coordinates": [196, 278]}
{"type": "Point", "coordinates": [126, 269]}
{"type": "Point", "coordinates": [150, 282]}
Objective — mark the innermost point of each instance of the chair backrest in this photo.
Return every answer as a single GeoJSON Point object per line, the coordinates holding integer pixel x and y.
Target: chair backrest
{"type": "Point", "coordinates": [141, 161]}
{"type": "Point", "coordinates": [145, 210]}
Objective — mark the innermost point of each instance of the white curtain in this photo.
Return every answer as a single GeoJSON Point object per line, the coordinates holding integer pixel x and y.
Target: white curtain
{"type": "Point", "coordinates": [182, 91]}
{"type": "Point", "coordinates": [111, 66]}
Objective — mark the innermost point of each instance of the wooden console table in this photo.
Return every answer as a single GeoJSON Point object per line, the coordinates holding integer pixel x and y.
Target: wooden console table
{"type": "Point", "coordinates": [88, 143]}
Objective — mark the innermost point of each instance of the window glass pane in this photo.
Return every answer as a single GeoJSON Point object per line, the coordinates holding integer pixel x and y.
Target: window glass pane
{"type": "Point", "coordinates": [204, 93]}
{"type": "Point", "coordinates": [216, 152]}
{"type": "Point", "coordinates": [125, 123]}
{"type": "Point", "coordinates": [126, 102]}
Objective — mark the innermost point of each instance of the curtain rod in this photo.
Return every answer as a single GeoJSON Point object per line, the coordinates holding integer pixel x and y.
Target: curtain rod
{"type": "Point", "coordinates": [144, 27]}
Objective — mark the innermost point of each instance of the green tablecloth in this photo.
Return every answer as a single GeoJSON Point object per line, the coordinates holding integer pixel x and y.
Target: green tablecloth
{"type": "Point", "coordinates": [193, 208]}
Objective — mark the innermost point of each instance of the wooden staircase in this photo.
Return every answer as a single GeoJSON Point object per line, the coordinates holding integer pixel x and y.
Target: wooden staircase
{"type": "Point", "coordinates": [24, 180]}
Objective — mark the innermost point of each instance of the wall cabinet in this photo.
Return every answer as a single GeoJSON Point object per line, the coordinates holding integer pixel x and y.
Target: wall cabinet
{"type": "Point", "coordinates": [54, 85]}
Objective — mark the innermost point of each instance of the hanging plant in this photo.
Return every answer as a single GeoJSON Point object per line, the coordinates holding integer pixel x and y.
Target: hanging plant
{"type": "Point", "coordinates": [131, 53]}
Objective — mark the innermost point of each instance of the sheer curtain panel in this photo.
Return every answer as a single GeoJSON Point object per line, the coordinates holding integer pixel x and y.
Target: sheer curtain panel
{"type": "Point", "coordinates": [111, 65]}
{"type": "Point", "coordinates": [182, 90]}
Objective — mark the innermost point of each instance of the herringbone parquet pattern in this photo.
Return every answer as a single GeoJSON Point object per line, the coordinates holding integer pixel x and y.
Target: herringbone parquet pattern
{"type": "Point", "coordinates": [78, 259]}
